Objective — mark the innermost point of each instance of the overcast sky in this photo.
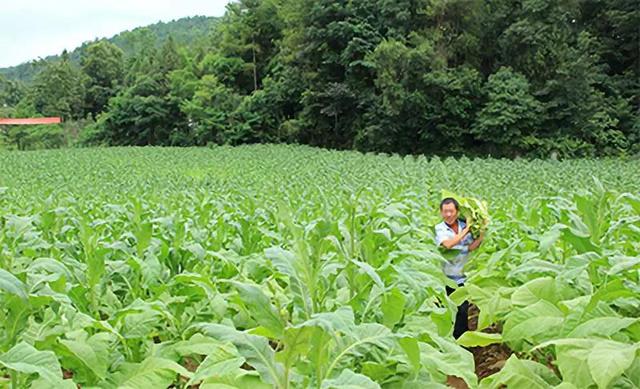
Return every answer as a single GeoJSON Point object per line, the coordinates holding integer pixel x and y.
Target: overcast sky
{"type": "Point", "coordinates": [36, 28]}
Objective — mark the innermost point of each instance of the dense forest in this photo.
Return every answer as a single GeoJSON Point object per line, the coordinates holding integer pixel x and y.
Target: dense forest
{"type": "Point", "coordinates": [440, 77]}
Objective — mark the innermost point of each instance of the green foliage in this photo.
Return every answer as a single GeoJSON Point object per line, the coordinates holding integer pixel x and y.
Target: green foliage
{"type": "Point", "coordinates": [505, 78]}
{"type": "Point", "coordinates": [59, 90]}
{"type": "Point", "coordinates": [295, 267]}
{"type": "Point", "coordinates": [11, 92]}
{"type": "Point", "coordinates": [103, 64]}
{"type": "Point", "coordinates": [511, 115]}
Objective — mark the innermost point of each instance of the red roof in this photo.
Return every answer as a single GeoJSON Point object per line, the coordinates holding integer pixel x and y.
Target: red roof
{"type": "Point", "coordinates": [31, 121]}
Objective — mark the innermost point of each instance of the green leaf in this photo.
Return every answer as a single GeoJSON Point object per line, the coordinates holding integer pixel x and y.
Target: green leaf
{"type": "Point", "coordinates": [478, 339]}
{"type": "Point", "coordinates": [608, 360]}
{"type": "Point", "coordinates": [349, 380]}
{"type": "Point", "coordinates": [143, 236]}
{"type": "Point", "coordinates": [392, 307]}
{"type": "Point", "coordinates": [612, 290]}
{"type": "Point", "coordinates": [539, 318]}
{"type": "Point", "coordinates": [153, 372]}
{"type": "Point", "coordinates": [371, 272]}
{"type": "Point", "coordinates": [333, 323]}
{"type": "Point", "coordinates": [448, 358]}
{"type": "Point", "coordinates": [11, 284]}
{"type": "Point", "coordinates": [92, 352]}
{"type": "Point", "coordinates": [543, 288]}
{"type": "Point", "coordinates": [515, 374]}
{"type": "Point", "coordinates": [601, 326]}
{"type": "Point", "coordinates": [255, 349]}
{"type": "Point", "coordinates": [222, 361]}
{"type": "Point", "coordinates": [492, 302]}
{"type": "Point", "coordinates": [260, 307]}
{"type": "Point", "coordinates": [198, 344]}
{"type": "Point", "coordinates": [363, 336]}
{"type": "Point", "coordinates": [412, 349]}
{"type": "Point", "coordinates": [585, 361]}
{"type": "Point", "coordinates": [25, 358]}
{"type": "Point", "coordinates": [298, 272]}
{"type": "Point", "coordinates": [459, 295]}
{"type": "Point", "coordinates": [622, 263]}
{"type": "Point", "coordinates": [240, 379]}
{"type": "Point", "coordinates": [296, 342]}
{"type": "Point", "coordinates": [41, 383]}
{"type": "Point", "coordinates": [549, 239]}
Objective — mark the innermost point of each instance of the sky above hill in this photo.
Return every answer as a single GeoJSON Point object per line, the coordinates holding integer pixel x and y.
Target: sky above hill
{"type": "Point", "coordinates": [36, 28]}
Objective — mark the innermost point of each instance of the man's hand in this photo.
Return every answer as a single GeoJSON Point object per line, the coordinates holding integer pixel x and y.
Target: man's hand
{"type": "Point", "coordinates": [449, 243]}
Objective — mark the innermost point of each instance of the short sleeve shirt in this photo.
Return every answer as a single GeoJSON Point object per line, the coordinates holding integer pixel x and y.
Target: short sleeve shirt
{"type": "Point", "coordinates": [454, 268]}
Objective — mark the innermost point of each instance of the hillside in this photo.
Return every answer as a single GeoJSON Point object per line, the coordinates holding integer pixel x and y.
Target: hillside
{"type": "Point", "coordinates": [185, 31]}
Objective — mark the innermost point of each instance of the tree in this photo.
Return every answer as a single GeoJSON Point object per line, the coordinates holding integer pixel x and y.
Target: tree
{"type": "Point", "coordinates": [11, 92]}
{"type": "Point", "coordinates": [509, 120]}
{"type": "Point", "coordinates": [210, 110]}
{"type": "Point", "coordinates": [103, 64]}
{"type": "Point", "coordinates": [146, 113]}
{"type": "Point", "coordinates": [249, 33]}
{"type": "Point", "coordinates": [58, 90]}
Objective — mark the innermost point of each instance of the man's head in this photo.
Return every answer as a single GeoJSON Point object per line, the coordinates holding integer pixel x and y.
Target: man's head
{"type": "Point", "coordinates": [449, 210]}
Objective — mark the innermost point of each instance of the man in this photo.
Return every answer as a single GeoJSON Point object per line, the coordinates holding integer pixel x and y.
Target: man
{"type": "Point", "coordinates": [453, 234]}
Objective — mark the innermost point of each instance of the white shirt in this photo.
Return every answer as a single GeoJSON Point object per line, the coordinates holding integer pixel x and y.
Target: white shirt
{"type": "Point", "coordinates": [454, 268]}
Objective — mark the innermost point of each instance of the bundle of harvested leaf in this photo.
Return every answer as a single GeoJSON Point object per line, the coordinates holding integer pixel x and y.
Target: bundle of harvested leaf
{"type": "Point", "coordinates": [474, 211]}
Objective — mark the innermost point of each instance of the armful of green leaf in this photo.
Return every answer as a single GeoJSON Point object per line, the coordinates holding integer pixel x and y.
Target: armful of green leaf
{"type": "Point", "coordinates": [477, 242]}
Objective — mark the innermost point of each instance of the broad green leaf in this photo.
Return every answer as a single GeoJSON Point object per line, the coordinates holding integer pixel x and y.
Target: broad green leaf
{"type": "Point", "coordinates": [528, 322]}
{"type": "Point", "coordinates": [25, 358]}
{"type": "Point", "coordinates": [492, 302]}
{"type": "Point", "coordinates": [11, 284]}
{"type": "Point", "coordinates": [240, 379]}
{"type": "Point", "coordinates": [255, 349]}
{"type": "Point", "coordinates": [41, 383]}
{"type": "Point", "coordinates": [296, 342]}
{"type": "Point", "coordinates": [143, 236]}
{"type": "Point", "coordinates": [623, 263]}
{"type": "Point", "coordinates": [92, 353]}
{"type": "Point", "coordinates": [371, 272]}
{"type": "Point", "coordinates": [448, 358]}
{"type": "Point", "coordinates": [221, 361]}
{"type": "Point", "coordinates": [601, 326]}
{"type": "Point", "coordinates": [153, 372]}
{"type": "Point", "coordinates": [349, 380]}
{"type": "Point", "coordinates": [392, 307]}
{"type": "Point", "coordinates": [341, 320]}
{"type": "Point", "coordinates": [515, 374]}
{"type": "Point", "coordinates": [612, 290]}
{"type": "Point", "coordinates": [585, 361]}
{"type": "Point", "coordinates": [548, 239]}
{"type": "Point", "coordinates": [478, 339]}
{"type": "Point", "coordinates": [608, 360]}
{"type": "Point", "coordinates": [543, 288]}
{"type": "Point", "coordinates": [412, 350]}
{"type": "Point", "coordinates": [298, 272]}
{"type": "Point", "coordinates": [198, 344]}
{"type": "Point", "coordinates": [260, 307]}
{"type": "Point", "coordinates": [362, 337]}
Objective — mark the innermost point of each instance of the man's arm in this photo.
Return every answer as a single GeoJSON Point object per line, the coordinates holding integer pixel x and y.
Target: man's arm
{"type": "Point", "coordinates": [449, 243]}
{"type": "Point", "coordinates": [476, 243]}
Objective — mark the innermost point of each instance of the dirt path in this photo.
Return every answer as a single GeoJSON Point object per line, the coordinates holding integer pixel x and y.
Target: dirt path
{"type": "Point", "coordinates": [489, 359]}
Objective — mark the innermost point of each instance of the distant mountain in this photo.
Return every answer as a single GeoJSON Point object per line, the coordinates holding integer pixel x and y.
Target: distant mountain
{"type": "Point", "coordinates": [185, 32]}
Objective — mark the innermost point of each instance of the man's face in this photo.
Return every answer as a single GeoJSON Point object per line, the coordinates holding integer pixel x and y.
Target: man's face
{"type": "Point", "coordinates": [449, 213]}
